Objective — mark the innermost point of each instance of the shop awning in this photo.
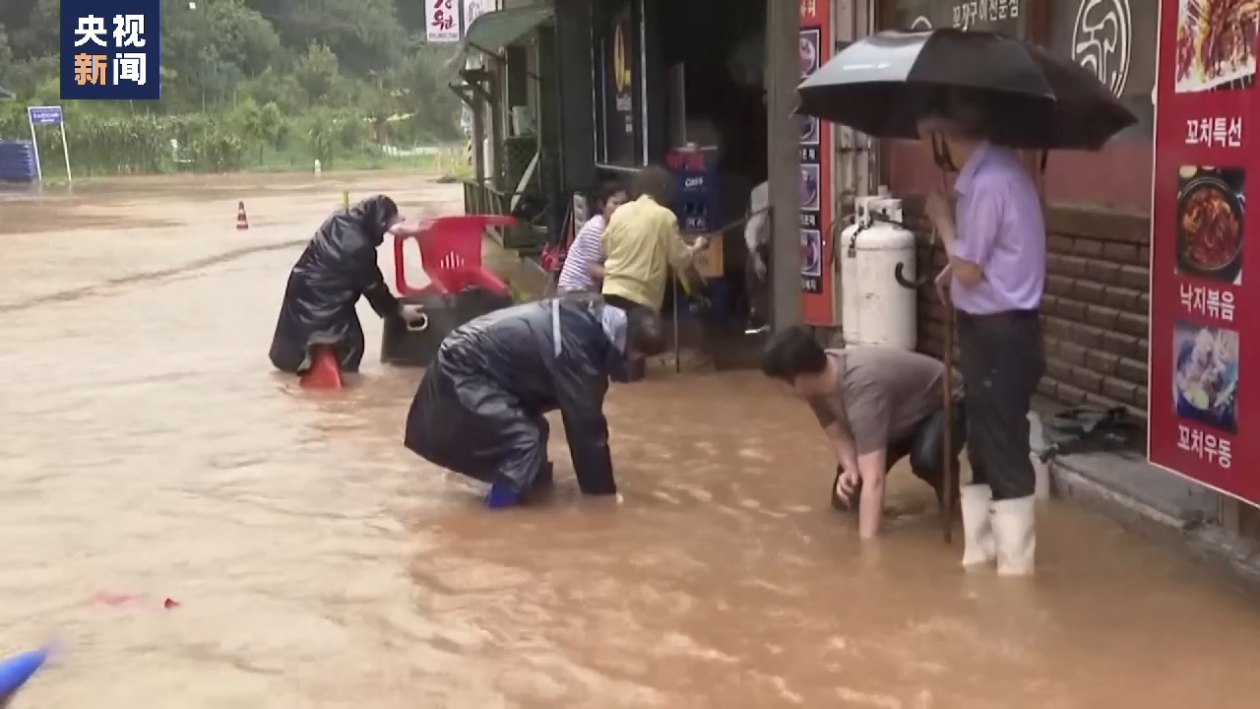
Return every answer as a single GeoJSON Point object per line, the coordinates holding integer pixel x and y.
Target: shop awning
{"type": "Point", "coordinates": [493, 31]}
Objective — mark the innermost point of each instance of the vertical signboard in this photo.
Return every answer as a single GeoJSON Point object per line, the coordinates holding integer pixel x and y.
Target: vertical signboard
{"type": "Point", "coordinates": [471, 10]}
{"type": "Point", "coordinates": [441, 21]}
{"type": "Point", "coordinates": [817, 265]}
{"type": "Point", "coordinates": [620, 117]}
{"type": "Point", "coordinates": [1204, 174]}
{"type": "Point", "coordinates": [474, 9]}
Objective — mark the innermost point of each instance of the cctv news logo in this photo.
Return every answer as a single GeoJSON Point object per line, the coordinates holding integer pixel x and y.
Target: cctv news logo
{"type": "Point", "coordinates": [110, 49]}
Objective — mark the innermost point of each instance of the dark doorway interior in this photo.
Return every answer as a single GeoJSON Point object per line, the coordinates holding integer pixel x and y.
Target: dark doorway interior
{"type": "Point", "coordinates": [716, 50]}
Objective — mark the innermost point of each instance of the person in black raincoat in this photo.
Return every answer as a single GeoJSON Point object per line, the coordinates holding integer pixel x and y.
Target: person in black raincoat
{"type": "Point", "coordinates": [337, 267]}
{"type": "Point", "coordinates": [479, 408]}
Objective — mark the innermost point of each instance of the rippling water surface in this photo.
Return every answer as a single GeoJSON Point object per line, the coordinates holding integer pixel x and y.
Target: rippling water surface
{"type": "Point", "coordinates": [148, 449]}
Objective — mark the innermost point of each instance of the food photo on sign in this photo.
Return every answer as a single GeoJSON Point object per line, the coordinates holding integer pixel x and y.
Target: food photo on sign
{"type": "Point", "coordinates": [1205, 375]}
{"type": "Point", "coordinates": [809, 49]}
{"type": "Point", "coordinates": [1216, 44]}
{"type": "Point", "coordinates": [807, 126]}
{"type": "Point", "coordinates": [1211, 221]}
{"type": "Point", "coordinates": [810, 186]}
{"type": "Point", "coordinates": [811, 253]}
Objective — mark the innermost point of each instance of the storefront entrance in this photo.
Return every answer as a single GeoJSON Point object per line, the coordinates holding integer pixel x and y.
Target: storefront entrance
{"type": "Point", "coordinates": [670, 74]}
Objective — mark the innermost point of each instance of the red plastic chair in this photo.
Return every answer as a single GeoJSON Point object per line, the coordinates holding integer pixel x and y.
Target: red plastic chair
{"type": "Point", "coordinates": [450, 252]}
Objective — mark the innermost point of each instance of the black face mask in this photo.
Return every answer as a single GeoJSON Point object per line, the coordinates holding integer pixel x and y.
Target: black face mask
{"type": "Point", "coordinates": [940, 154]}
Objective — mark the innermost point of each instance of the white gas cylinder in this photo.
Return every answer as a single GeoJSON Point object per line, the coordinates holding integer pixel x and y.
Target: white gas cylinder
{"type": "Point", "coordinates": [875, 308]}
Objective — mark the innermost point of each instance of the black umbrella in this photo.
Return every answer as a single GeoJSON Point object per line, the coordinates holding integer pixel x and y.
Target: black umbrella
{"type": "Point", "coordinates": [883, 84]}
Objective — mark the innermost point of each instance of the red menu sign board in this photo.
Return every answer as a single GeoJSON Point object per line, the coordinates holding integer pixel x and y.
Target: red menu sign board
{"type": "Point", "coordinates": [817, 272]}
{"type": "Point", "coordinates": [1207, 168]}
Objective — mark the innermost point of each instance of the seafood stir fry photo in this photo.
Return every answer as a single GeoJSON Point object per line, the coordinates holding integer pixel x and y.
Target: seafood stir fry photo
{"type": "Point", "coordinates": [1210, 223]}
{"type": "Point", "coordinates": [1216, 43]}
{"type": "Point", "coordinates": [1205, 381]}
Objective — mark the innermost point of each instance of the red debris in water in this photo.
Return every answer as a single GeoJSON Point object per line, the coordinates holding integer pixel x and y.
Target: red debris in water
{"type": "Point", "coordinates": [117, 600]}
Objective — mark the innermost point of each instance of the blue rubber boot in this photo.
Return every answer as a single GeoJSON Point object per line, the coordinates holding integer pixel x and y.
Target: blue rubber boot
{"type": "Point", "coordinates": [502, 496]}
{"type": "Point", "coordinates": [15, 671]}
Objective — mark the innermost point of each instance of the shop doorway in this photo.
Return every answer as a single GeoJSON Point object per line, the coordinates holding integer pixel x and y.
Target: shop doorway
{"type": "Point", "coordinates": [713, 52]}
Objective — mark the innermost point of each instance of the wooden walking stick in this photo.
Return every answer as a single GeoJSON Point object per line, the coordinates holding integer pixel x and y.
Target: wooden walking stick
{"type": "Point", "coordinates": [949, 473]}
{"type": "Point", "coordinates": [677, 347]}
{"type": "Point", "coordinates": [949, 476]}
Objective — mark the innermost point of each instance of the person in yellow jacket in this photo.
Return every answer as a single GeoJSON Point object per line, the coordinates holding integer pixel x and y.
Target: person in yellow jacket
{"type": "Point", "coordinates": [641, 242]}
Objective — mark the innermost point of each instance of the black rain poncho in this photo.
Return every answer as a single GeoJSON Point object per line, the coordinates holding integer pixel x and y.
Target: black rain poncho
{"type": "Point", "coordinates": [479, 409]}
{"type": "Point", "coordinates": [337, 267]}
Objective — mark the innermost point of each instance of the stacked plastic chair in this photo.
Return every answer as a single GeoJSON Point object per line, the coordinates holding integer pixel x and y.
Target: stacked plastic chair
{"type": "Point", "coordinates": [17, 161]}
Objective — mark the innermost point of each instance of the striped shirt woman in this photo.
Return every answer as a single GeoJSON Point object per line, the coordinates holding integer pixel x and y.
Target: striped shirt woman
{"type": "Point", "coordinates": [584, 264]}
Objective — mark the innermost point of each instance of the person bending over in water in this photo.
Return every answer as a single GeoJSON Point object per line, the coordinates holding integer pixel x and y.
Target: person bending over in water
{"type": "Point", "coordinates": [336, 269]}
{"type": "Point", "coordinates": [479, 410]}
{"type": "Point", "coordinates": [877, 405]}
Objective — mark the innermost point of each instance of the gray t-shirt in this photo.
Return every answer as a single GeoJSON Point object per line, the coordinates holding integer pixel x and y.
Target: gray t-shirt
{"type": "Point", "coordinates": [881, 395]}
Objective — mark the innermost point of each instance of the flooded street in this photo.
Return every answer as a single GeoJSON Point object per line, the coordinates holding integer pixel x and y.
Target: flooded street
{"type": "Point", "coordinates": [149, 449]}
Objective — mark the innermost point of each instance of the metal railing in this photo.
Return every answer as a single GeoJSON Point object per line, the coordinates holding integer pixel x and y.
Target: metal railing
{"type": "Point", "coordinates": [481, 199]}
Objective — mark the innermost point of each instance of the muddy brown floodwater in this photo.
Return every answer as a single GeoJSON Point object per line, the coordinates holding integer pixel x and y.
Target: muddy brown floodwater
{"type": "Point", "coordinates": [148, 449]}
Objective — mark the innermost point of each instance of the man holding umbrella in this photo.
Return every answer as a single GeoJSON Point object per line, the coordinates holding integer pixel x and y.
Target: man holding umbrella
{"type": "Point", "coordinates": [964, 93]}
{"type": "Point", "coordinates": [994, 236]}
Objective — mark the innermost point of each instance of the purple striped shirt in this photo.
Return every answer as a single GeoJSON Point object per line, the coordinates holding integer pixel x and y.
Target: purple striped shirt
{"type": "Point", "coordinates": [1001, 229]}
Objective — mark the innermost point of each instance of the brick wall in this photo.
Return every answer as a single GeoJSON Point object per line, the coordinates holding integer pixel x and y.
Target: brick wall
{"type": "Point", "coordinates": [1094, 311]}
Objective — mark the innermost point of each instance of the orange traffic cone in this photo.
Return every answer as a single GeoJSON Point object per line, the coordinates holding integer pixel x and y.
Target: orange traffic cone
{"type": "Point", "coordinates": [325, 371]}
{"type": "Point", "coordinates": [242, 222]}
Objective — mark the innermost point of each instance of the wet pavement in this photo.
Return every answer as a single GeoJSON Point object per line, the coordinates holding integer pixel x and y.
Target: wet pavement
{"type": "Point", "coordinates": [148, 449]}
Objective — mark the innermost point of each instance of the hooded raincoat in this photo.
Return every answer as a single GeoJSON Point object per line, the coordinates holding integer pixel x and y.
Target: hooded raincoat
{"type": "Point", "coordinates": [479, 409]}
{"type": "Point", "coordinates": [337, 267]}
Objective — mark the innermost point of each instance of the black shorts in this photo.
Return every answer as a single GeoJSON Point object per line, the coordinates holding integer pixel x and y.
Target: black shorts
{"type": "Point", "coordinates": [1000, 357]}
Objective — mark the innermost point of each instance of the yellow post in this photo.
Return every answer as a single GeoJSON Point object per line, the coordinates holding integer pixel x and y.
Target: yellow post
{"type": "Point", "coordinates": [345, 198]}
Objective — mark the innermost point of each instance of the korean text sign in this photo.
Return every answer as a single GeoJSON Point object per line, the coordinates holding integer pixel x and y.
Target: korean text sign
{"type": "Point", "coordinates": [442, 21]}
{"type": "Point", "coordinates": [1200, 320]}
{"type": "Point", "coordinates": [111, 49]}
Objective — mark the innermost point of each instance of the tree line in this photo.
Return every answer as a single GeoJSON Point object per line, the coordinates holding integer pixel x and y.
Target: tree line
{"type": "Point", "coordinates": [245, 83]}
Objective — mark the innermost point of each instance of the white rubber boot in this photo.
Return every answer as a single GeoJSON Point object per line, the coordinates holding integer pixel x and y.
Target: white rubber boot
{"type": "Point", "coordinates": [1015, 527]}
{"type": "Point", "coordinates": [978, 542]}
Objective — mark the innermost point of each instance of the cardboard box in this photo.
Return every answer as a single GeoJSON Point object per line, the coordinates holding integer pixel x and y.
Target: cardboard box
{"type": "Point", "coordinates": [708, 261]}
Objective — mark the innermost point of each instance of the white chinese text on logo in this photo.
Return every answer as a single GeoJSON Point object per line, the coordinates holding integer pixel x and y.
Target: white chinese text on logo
{"type": "Point", "coordinates": [129, 31]}
{"type": "Point", "coordinates": [90, 29]}
{"type": "Point", "coordinates": [129, 66]}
